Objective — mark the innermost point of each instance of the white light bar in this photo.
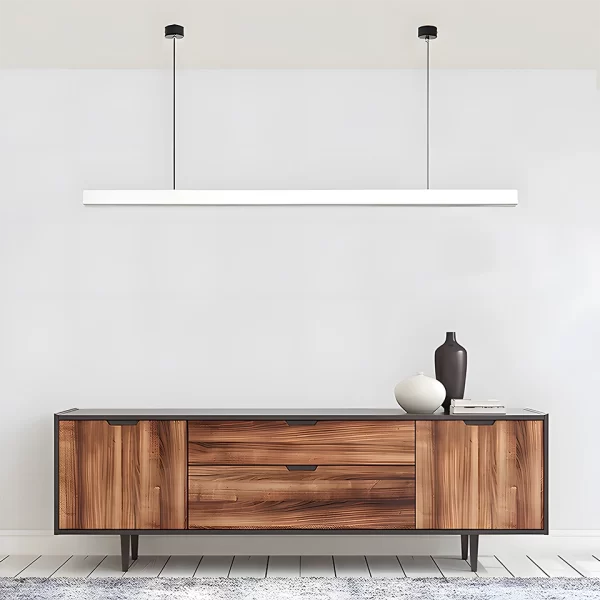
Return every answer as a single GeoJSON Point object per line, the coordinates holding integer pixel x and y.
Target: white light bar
{"type": "Point", "coordinates": [302, 197]}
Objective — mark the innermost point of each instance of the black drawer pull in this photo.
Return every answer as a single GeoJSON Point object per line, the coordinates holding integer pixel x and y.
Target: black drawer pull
{"type": "Point", "coordinates": [305, 422]}
{"type": "Point", "coordinates": [117, 422]}
{"type": "Point", "coordinates": [490, 422]}
{"type": "Point", "coordinates": [301, 467]}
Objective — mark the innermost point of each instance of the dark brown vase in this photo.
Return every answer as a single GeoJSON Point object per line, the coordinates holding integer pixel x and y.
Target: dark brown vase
{"type": "Point", "coordinates": [451, 368]}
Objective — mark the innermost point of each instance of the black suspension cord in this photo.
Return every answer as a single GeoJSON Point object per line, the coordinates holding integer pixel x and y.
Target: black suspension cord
{"type": "Point", "coordinates": [427, 41]}
{"type": "Point", "coordinates": [174, 113]}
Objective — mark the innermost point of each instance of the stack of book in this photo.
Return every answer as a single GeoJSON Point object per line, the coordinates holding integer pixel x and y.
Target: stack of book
{"type": "Point", "coordinates": [477, 407]}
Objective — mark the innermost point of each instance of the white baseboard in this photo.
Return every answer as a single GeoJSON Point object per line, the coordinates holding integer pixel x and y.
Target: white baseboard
{"type": "Point", "coordinates": [575, 533]}
{"type": "Point", "coordinates": [45, 542]}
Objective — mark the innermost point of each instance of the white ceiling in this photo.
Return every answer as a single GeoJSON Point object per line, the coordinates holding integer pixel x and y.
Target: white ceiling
{"type": "Point", "coordinates": [558, 34]}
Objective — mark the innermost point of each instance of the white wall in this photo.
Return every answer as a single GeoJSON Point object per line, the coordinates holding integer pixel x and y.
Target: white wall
{"type": "Point", "coordinates": [295, 307]}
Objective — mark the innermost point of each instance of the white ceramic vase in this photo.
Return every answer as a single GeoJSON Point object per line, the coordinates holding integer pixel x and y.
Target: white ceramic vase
{"type": "Point", "coordinates": [420, 394]}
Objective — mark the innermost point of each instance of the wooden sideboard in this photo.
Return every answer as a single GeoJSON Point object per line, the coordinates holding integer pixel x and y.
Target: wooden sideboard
{"type": "Point", "coordinates": [133, 472]}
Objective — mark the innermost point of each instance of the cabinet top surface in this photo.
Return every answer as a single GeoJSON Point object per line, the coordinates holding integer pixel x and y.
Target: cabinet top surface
{"type": "Point", "coordinates": [284, 414]}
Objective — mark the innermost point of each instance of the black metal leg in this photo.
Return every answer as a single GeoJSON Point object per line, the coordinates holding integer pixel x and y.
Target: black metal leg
{"type": "Point", "coordinates": [135, 539]}
{"type": "Point", "coordinates": [125, 542]}
{"type": "Point", "coordinates": [464, 546]}
{"type": "Point", "coordinates": [474, 552]}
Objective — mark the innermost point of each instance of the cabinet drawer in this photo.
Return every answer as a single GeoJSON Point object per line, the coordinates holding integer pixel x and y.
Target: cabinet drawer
{"type": "Point", "coordinates": [274, 497]}
{"type": "Point", "coordinates": [322, 443]}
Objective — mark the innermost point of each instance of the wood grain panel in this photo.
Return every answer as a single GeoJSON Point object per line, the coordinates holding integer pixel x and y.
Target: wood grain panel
{"type": "Point", "coordinates": [325, 443]}
{"type": "Point", "coordinates": [122, 477]}
{"type": "Point", "coordinates": [271, 497]}
{"type": "Point", "coordinates": [480, 477]}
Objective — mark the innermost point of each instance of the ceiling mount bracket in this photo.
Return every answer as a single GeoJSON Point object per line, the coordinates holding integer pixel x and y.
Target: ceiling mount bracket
{"type": "Point", "coordinates": [427, 32]}
{"type": "Point", "coordinates": [174, 32]}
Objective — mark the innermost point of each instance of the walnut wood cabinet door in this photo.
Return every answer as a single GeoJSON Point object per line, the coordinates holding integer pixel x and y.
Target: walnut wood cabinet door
{"type": "Point", "coordinates": [122, 476]}
{"type": "Point", "coordinates": [480, 476]}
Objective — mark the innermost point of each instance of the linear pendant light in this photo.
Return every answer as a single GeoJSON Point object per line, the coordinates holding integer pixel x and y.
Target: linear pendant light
{"type": "Point", "coordinates": [272, 197]}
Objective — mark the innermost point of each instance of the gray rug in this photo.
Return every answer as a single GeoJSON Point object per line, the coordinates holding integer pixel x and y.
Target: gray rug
{"type": "Point", "coordinates": [299, 588]}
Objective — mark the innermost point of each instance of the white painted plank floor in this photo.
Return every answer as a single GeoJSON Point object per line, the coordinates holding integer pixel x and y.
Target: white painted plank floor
{"type": "Point", "coordinates": [317, 566]}
{"type": "Point", "coordinates": [43, 566]}
{"type": "Point", "coordinates": [214, 566]}
{"type": "Point", "coordinates": [453, 567]}
{"type": "Point", "coordinates": [286, 566]}
{"type": "Point", "coordinates": [13, 565]}
{"type": "Point", "coordinates": [382, 567]}
{"type": "Point", "coordinates": [554, 566]}
{"type": "Point", "coordinates": [588, 566]}
{"type": "Point", "coordinates": [509, 565]}
{"type": "Point", "coordinates": [249, 566]}
{"type": "Point", "coordinates": [182, 566]}
{"type": "Point", "coordinates": [351, 566]}
{"type": "Point", "coordinates": [419, 566]}
{"type": "Point", "coordinates": [78, 566]}
{"type": "Point", "coordinates": [147, 566]}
